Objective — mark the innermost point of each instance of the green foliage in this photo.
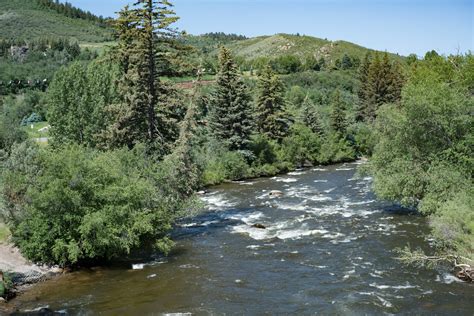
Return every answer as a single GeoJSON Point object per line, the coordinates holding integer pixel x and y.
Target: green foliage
{"type": "Point", "coordinates": [286, 64]}
{"type": "Point", "coordinates": [4, 233]}
{"type": "Point", "coordinates": [88, 205]}
{"type": "Point", "coordinates": [230, 112]}
{"type": "Point", "coordinates": [335, 149]}
{"type": "Point", "coordinates": [77, 100]}
{"type": "Point", "coordinates": [424, 154]}
{"type": "Point", "coordinates": [141, 114]}
{"type": "Point", "coordinates": [219, 164]}
{"type": "Point", "coordinates": [270, 112]}
{"type": "Point", "coordinates": [381, 83]}
{"type": "Point", "coordinates": [302, 146]}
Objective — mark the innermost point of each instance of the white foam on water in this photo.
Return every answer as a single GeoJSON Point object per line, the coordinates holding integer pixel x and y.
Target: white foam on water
{"type": "Point", "coordinates": [298, 233]}
{"type": "Point", "coordinates": [138, 266]}
{"type": "Point", "coordinates": [189, 266]}
{"type": "Point", "coordinates": [252, 232]}
{"type": "Point", "coordinates": [293, 207]}
{"type": "Point", "coordinates": [447, 278]}
{"type": "Point", "coordinates": [286, 180]}
{"type": "Point", "coordinates": [253, 247]}
{"type": "Point", "coordinates": [319, 169]}
{"type": "Point", "coordinates": [319, 198]}
{"type": "Point", "coordinates": [151, 276]}
{"type": "Point", "coordinates": [296, 173]}
{"type": "Point", "coordinates": [344, 169]}
{"type": "Point", "coordinates": [207, 223]}
{"type": "Point", "coordinates": [246, 218]}
{"type": "Point", "coordinates": [320, 181]}
{"type": "Point", "coordinates": [375, 275]}
{"type": "Point", "coordinates": [329, 190]}
{"type": "Point", "coordinates": [216, 202]}
{"type": "Point", "coordinates": [384, 301]}
{"type": "Point", "coordinates": [396, 287]}
{"type": "Point", "coordinates": [361, 203]}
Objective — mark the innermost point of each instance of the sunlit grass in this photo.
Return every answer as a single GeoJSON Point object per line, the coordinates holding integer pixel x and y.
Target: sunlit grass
{"type": "Point", "coordinates": [4, 232]}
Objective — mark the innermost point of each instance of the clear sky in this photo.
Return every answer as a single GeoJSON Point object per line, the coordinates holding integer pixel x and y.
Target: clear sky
{"type": "Point", "coordinates": [399, 26]}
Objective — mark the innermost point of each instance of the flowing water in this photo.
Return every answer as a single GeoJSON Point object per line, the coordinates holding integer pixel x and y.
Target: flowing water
{"type": "Point", "coordinates": [327, 248]}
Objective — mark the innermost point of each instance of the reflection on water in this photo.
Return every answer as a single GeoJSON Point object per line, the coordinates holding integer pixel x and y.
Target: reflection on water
{"type": "Point", "coordinates": [327, 247]}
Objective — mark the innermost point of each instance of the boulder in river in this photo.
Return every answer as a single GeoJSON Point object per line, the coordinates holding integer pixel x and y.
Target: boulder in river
{"type": "Point", "coordinates": [276, 193]}
{"type": "Point", "coordinates": [259, 226]}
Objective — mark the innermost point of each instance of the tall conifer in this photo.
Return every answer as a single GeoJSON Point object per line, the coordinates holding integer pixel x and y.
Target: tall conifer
{"type": "Point", "coordinates": [271, 117]}
{"type": "Point", "coordinates": [230, 112]}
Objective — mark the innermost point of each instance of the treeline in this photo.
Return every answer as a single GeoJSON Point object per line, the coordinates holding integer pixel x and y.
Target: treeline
{"type": "Point", "coordinates": [67, 9]}
{"type": "Point", "coordinates": [286, 64]}
{"type": "Point", "coordinates": [224, 37]}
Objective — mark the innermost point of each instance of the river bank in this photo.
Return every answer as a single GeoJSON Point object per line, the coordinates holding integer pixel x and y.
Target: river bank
{"type": "Point", "coordinates": [20, 272]}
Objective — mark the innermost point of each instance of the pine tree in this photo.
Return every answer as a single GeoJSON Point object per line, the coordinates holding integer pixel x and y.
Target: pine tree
{"type": "Point", "coordinates": [272, 120]}
{"type": "Point", "coordinates": [141, 30]}
{"type": "Point", "coordinates": [311, 117]}
{"type": "Point", "coordinates": [381, 84]}
{"type": "Point", "coordinates": [362, 93]}
{"type": "Point", "coordinates": [338, 121]}
{"type": "Point", "coordinates": [230, 112]}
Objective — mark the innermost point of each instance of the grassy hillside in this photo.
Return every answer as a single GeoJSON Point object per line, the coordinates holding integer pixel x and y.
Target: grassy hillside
{"type": "Point", "coordinates": [25, 19]}
{"type": "Point", "coordinates": [302, 46]}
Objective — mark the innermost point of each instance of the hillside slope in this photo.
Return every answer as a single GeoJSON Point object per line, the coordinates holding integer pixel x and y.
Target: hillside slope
{"type": "Point", "coordinates": [25, 19]}
{"type": "Point", "coordinates": [285, 44]}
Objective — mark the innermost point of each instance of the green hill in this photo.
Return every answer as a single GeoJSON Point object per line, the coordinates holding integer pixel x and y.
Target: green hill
{"type": "Point", "coordinates": [27, 19]}
{"type": "Point", "coordinates": [286, 44]}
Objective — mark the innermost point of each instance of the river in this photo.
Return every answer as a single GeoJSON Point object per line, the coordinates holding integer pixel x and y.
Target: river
{"type": "Point", "coordinates": [327, 248]}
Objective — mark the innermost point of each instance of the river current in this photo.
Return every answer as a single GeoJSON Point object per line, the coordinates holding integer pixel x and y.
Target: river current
{"type": "Point", "coordinates": [327, 248]}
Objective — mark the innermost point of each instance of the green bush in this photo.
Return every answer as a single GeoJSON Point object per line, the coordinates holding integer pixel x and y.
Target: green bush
{"type": "Point", "coordinates": [336, 149]}
{"type": "Point", "coordinates": [301, 146]}
{"type": "Point", "coordinates": [75, 204]}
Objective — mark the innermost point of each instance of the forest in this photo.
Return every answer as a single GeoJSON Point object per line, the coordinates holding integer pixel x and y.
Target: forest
{"type": "Point", "coordinates": [127, 147]}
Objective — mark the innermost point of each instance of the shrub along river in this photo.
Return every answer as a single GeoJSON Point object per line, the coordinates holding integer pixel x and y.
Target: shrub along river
{"type": "Point", "coordinates": [327, 248]}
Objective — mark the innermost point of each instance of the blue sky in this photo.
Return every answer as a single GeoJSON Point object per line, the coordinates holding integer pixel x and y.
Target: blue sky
{"type": "Point", "coordinates": [399, 26]}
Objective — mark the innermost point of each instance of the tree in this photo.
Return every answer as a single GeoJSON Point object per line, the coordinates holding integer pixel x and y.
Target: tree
{"type": "Point", "coordinates": [338, 121]}
{"type": "Point", "coordinates": [380, 85]}
{"type": "Point", "coordinates": [141, 31]}
{"type": "Point", "coordinates": [271, 117]}
{"type": "Point", "coordinates": [363, 92]}
{"type": "Point", "coordinates": [424, 154]}
{"type": "Point", "coordinates": [78, 97]}
{"type": "Point", "coordinates": [346, 62]}
{"type": "Point", "coordinates": [311, 117]}
{"type": "Point", "coordinates": [230, 113]}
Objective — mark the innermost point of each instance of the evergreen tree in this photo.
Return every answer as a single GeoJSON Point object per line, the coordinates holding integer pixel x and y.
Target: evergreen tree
{"type": "Point", "coordinates": [338, 121]}
{"type": "Point", "coordinates": [230, 113]}
{"type": "Point", "coordinates": [311, 117]}
{"type": "Point", "coordinates": [272, 120]}
{"type": "Point", "coordinates": [141, 30]}
{"type": "Point", "coordinates": [362, 93]}
{"type": "Point", "coordinates": [346, 62]}
{"type": "Point", "coordinates": [383, 85]}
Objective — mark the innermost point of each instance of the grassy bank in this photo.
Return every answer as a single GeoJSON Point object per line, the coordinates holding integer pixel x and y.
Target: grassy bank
{"type": "Point", "coordinates": [4, 233]}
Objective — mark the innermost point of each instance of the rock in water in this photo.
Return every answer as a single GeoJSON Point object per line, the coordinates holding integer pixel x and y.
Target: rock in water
{"type": "Point", "coordinates": [276, 193]}
{"type": "Point", "coordinates": [259, 226]}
